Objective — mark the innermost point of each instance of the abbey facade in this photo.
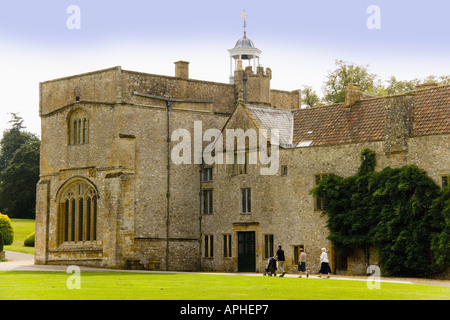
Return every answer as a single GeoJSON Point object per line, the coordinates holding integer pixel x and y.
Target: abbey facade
{"type": "Point", "coordinates": [110, 194]}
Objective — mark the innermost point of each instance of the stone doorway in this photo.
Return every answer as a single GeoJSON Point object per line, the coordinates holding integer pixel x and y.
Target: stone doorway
{"type": "Point", "coordinates": [246, 251]}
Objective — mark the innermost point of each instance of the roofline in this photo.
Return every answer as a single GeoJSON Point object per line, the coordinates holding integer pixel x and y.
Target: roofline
{"type": "Point", "coordinates": [82, 74]}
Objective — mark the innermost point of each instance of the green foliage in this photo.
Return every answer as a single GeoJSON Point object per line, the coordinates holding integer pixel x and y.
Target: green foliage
{"type": "Point", "coordinates": [19, 171]}
{"type": "Point", "coordinates": [6, 230]}
{"type": "Point", "coordinates": [1, 242]}
{"type": "Point", "coordinates": [368, 162]}
{"type": "Point", "coordinates": [310, 97]}
{"type": "Point", "coordinates": [348, 73]}
{"type": "Point", "coordinates": [394, 209]}
{"type": "Point", "coordinates": [441, 241]}
{"type": "Point", "coordinates": [29, 241]}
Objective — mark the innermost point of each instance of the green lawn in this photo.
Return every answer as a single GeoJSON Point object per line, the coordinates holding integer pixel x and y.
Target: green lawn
{"type": "Point", "coordinates": [28, 285]}
{"type": "Point", "coordinates": [22, 229]}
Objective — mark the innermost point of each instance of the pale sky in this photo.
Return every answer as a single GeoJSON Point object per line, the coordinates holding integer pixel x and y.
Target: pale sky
{"type": "Point", "coordinates": [300, 41]}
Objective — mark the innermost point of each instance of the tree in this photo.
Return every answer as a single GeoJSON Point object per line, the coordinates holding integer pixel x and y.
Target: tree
{"type": "Point", "coordinates": [19, 164]}
{"type": "Point", "coordinates": [13, 139]}
{"type": "Point", "coordinates": [441, 241]}
{"type": "Point", "coordinates": [348, 73]}
{"type": "Point", "coordinates": [310, 97]}
{"type": "Point", "coordinates": [395, 86]}
{"type": "Point", "coordinates": [18, 182]}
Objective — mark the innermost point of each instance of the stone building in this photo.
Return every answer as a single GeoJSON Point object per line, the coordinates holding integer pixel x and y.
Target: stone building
{"type": "Point", "coordinates": [110, 194]}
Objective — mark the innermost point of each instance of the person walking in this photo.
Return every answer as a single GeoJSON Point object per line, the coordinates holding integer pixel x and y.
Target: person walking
{"type": "Point", "coordinates": [281, 259]}
{"type": "Point", "coordinates": [324, 264]}
{"type": "Point", "coordinates": [302, 263]}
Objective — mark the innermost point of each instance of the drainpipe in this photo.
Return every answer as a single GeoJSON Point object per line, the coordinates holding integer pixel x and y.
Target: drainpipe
{"type": "Point", "coordinates": [169, 106]}
{"type": "Point", "coordinates": [200, 215]}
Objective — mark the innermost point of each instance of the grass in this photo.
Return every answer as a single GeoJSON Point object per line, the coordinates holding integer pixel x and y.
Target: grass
{"type": "Point", "coordinates": [22, 229]}
{"type": "Point", "coordinates": [40, 285]}
{"type": "Point", "coordinates": [30, 285]}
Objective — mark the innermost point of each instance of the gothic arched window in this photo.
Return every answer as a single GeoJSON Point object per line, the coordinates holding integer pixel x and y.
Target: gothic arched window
{"type": "Point", "coordinates": [78, 127]}
{"type": "Point", "coordinates": [78, 212]}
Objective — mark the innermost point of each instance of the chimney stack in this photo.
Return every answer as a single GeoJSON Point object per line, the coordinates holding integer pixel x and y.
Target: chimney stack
{"type": "Point", "coordinates": [182, 69]}
{"type": "Point", "coordinates": [353, 94]}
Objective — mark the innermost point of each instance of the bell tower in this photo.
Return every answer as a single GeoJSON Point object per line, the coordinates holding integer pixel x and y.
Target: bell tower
{"type": "Point", "coordinates": [244, 50]}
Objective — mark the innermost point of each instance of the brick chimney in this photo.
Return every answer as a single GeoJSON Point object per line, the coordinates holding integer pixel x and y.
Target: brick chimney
{"type": "Point", "coordinates": [353, 94]}
{"type": "Point", "coordinates": [182, 69]}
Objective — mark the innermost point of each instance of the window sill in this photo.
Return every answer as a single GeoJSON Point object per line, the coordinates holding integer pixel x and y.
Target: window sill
{"type": "Point", "coordinates": [80, 246]}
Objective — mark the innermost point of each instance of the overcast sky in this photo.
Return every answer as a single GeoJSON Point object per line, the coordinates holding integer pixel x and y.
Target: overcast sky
{"type": "Point", "coordinates": [300, 41]}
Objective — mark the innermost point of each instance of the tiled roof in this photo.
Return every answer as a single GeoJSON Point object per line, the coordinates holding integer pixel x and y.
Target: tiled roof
{"type": "Point", "coordinates": [336, 124]}
{"type": "Point", "coordinates": [364, 121]}
{"type": "Point", "coordinates": [271, 118]}
{"type": "Point", "coordinates": [432, 111]}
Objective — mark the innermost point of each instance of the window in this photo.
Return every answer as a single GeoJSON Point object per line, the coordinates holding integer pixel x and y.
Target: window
{"type": "Point", "coordinates": [445, 181]}
{"type": "Point", "coordinates": [209, 246]}
{"type": "Point", "coordinates": [207, 201]}
{"type": "Point", "coordinates": [227, 245]}
{"type": "Point", "coordinates": [78, 213]}
{"type": "Point", "coordinates": [239, 165]}
{"type": "Point", "coordinates": [268, 246]}
{"type": "Point", "coordinates": [246, 200]}
{"type": "Point", "coordinates": [297, 252]}
{"type": "Point", "coordinates": [207, 174]}
{"type": "Point", "coordinates": [319, 202]}
{"type": "Point", "coordinates": [78, 127]}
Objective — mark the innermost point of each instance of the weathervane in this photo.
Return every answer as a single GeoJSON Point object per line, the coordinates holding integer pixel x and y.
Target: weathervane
{"type": "Point", "coordinates": [244, 15]}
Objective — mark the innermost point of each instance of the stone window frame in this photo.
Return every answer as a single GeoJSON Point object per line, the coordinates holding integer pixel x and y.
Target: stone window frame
{"type": "Point", "coordinates": [207, 174]}
{"type": "Point", "coordinates": [77, 212]}
{"type": "Point", "coordinates": [78, 125]}
{"type": "Point", "coordinates": [227, 245]}
{"type": "Point", "coordinates": [235, 168]}
{"type": "Point", "coordinates": [319, 202]}
{"type": "Point", "coordinates": [208, 201]}
{"type": "Point", "coordinates": [209, 246]}
{"type": "Point", "coordinates": [246, 200]}
{"type": "Point", "coordinates": [269, 246]}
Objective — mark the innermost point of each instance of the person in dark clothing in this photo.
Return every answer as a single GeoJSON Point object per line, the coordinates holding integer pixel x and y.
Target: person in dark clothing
{"type": "Point", "coordinates": [281, 260]}
{"type": "Point", "coordinates": [271, 268]}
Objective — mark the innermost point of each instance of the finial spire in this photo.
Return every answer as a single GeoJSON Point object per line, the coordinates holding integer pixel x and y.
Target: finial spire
{"type": "Point", "coordinates": [244, 15]}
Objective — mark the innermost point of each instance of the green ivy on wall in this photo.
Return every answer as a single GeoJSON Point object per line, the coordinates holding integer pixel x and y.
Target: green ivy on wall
{"type": "Point", "coordinates": [399, 210]}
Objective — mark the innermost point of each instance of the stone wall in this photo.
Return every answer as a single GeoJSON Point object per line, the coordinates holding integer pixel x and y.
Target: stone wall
{"type": "Point", "coordinates": [149, 209]}
{"type": "Point", "coordinates": [126, 159]}
{"type": "Point", "coordinates": [283, 207]}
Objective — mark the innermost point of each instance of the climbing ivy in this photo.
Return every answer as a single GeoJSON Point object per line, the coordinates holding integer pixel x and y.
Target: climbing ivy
{"type": "Point", "coordinates": [399, 210]}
